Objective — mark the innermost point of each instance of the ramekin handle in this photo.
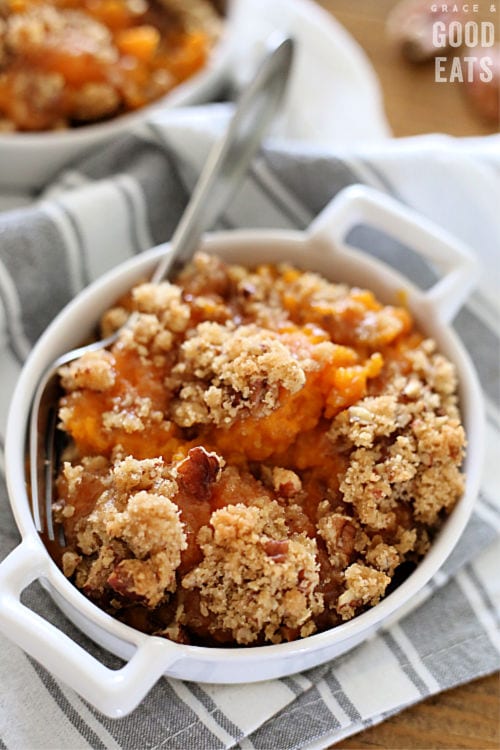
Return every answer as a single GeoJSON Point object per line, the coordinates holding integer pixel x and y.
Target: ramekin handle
{"type": "Point", "coordinates": [113, 692]}
{"type": "Point", "coordinates": [359, 204]}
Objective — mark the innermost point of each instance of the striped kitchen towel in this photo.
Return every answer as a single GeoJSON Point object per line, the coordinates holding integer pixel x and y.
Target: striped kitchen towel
{"type": "Point", "coordinates": [128, 197]}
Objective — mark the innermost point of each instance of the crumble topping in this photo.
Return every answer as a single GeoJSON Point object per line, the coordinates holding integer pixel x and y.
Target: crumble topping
{"type": "Point", "coordinates": [383, 557]}
{"type": "Point", "coordinates": [254, 577]}
{"type": "Point", "coordinates": [95, 101]}
{"type": "Point", "coordinates": [224, 370]}
{"type": "Point", "coordinates": [165, 301]}
{"type": "Point", "coordinates": [131, 414]}
{"type": "Point", "coordinates": [339, 533]}
{"type": "Point", "coordinates": [94, 370]}
{"type": "Point", "coordinates": [70, 562]}
{"type": "Point", "coordinates": [364, 585]}
{"type": "Point", "coordinates": [112, 320]}
{"type": "Point", "coordinates": [134, 531]}
{"type": "Point", "coordinates": [258, 455]}
{"type": "Point", "coordinates": [44, 26]}
{"type": "Point", "coordinates": [406, 446]}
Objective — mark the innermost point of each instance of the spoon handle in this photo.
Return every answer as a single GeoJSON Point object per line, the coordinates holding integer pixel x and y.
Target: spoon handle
{"type": "Point", "coordinates": [228, 161]}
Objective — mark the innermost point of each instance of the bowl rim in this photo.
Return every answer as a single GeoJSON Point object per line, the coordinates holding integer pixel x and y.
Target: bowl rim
{"type": "Point", "coordinates": [394, 602]}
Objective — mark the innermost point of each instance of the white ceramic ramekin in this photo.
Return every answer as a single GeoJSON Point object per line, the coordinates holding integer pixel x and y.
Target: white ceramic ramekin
{"type": "Point", "coordinates": [322, 248]}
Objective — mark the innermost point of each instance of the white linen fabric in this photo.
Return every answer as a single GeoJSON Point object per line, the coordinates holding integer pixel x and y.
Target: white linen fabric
{"type": "Point", "coordinates": [128, 197]}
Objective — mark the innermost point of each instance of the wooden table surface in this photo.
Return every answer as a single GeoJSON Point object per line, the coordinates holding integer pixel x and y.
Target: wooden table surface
{"type": "Point", "coordinates": [467, 716]}
{"type": "Point", "coordinates": [414, 102]}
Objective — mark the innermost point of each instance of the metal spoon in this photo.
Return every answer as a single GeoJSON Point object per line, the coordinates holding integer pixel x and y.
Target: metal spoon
{"type": "Point", "coordinates": [222, 174]}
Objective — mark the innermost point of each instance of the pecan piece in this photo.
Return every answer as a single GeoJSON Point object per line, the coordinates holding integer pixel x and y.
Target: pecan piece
{"type": "Point", "coordinates": [198, 472]}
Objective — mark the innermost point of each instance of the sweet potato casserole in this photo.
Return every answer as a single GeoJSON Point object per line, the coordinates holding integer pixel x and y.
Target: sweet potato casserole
{"type": "Point", "coordinates": [261, 455]}
{"type": "Point", "coordinates": [70, 62]}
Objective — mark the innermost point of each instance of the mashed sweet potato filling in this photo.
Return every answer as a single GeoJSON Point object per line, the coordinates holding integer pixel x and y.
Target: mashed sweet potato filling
{"type": "Point", "coordinates": [259, 456]}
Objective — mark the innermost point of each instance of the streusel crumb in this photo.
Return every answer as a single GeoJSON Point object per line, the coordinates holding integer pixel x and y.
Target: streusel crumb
{"type": "Point", "coordinates": [404, 447]}
{"type": "Point", "coordinates": [134, 509]}
{"type": "Point", "coordinates": [255, 578]}
{"type": "Point", "coordinates": [223, 371]}
{"type": "Point", "coordinates": [94, 370]}
{"type": "Point", "coordinates": [364, 585]}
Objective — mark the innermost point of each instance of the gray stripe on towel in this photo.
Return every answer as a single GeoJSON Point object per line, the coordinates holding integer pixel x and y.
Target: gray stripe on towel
{"type": "Point", "coordinates": [155, 169]}
{"type": "Point", "coordinates": [308, 716]}
{"type": "Point", "coordinates": [490, 504]}
{"type": "Point", "coordinates": [392, 252]}
{"type": "Point", "coordinates": [342, 699]}
{"type": "Point", "coordinates": [37, 262]}
{"type": "Point", "coordinates": [483, 345]}
{"type": "Point", "coordinates": [67, 709]}
{"type": "Point", "coordinates": [278, 201]}
{"type": "Point", "coordinates": [312, 180]}
{"type": "Point", "coordinates": [478, 534]}
{"type": "Point", "coordinates": [12, 317]}
{"type": "Point", "coordinates": [404, 663]}
{"type": "Point", "coordinates": [485, 597]}
{"type": "Point", "coordinates": [381, 177]}
{"type": "Point", "coordinates": [218, 715]}
{"type": "Point", "coordinates": [162, 715]}
{"type": "Point", "coordinates": [72, 219]}
{"type": "Point", "coordinates": [132, 217]}
{"type": "Point", "coordinates": [448, 619]}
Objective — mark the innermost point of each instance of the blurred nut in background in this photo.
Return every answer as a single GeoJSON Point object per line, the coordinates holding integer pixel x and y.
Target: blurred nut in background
{"type": "Point", "coordinates": [483, 87]}
{"type": "Point", "coordinates": [411, 26]}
